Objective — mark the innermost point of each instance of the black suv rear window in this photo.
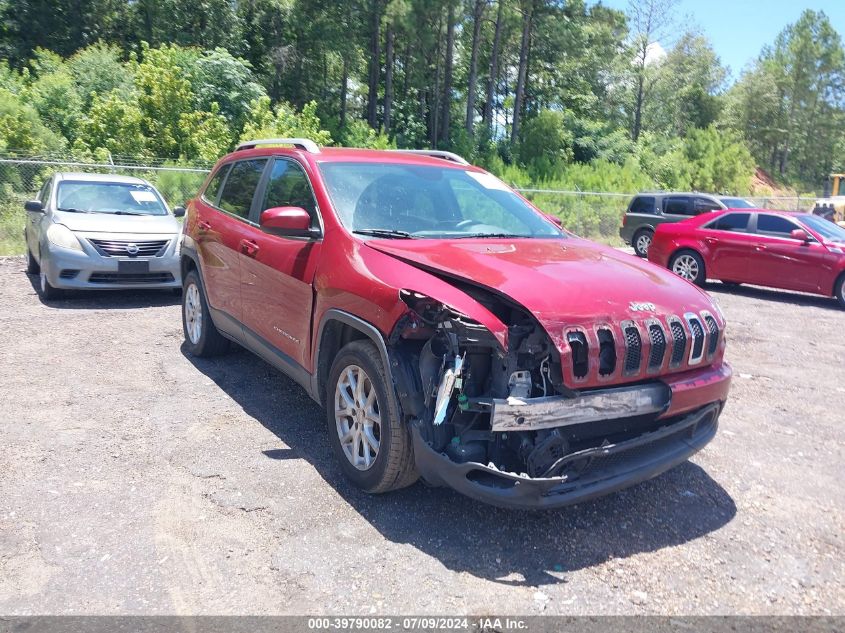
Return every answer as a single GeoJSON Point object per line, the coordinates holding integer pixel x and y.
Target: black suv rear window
{"type": "Point", "coordinates": [678, 205]}
{"type": "Point", "coordinates": [642, 204]}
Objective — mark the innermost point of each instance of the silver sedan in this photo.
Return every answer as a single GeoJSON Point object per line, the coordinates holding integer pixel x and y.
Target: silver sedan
{"type": "Point", "coordinates": [101, 232]}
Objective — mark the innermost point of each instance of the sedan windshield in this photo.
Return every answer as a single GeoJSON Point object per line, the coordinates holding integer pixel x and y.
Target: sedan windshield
{"type": "Point", "coordinates": [737, 203]}
{"type": "Point", "coordinates": [118, 198]}
{"type": "Point", "coordinates": [389, 200]}
{"type": "Point", "coordinates": [825, 228]}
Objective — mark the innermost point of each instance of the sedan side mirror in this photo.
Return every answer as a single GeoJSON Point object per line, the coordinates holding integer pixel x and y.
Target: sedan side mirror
{"type": "Point", "coordinates": [287, 222]}
{"type": "Point", "coordinates": [34, 205]}
{"type": "Point", "coordinates": [554, 219]}
{"type": "Point", "coordinates": [800, 234]}
{"type": "Point", "coordinates": [178, 212]}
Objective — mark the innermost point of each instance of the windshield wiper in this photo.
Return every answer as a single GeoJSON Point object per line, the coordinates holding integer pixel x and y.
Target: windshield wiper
{"type": "Point", "coordinates": [391, 234]}
{"type": "Point", "coordinates": [480, 235]}
{"type": "Point", "coordinates": [72, 210]}
{"type": "Point", "coordinates": [123, 213]}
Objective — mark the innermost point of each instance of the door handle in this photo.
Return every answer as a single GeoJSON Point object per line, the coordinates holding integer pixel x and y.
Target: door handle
{"type": "Point", "coordinates": [759, 248]}
{"type": "Point", "coordinates": [204, 226]}
{"type": "Point", "coordinates": [710, 240]}
{"type": "Point", "coordinates": [249, 248]}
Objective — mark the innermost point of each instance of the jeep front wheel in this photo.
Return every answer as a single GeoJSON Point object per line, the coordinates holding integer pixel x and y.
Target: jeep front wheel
{"type": "Point", "coordinates": [368, 437]}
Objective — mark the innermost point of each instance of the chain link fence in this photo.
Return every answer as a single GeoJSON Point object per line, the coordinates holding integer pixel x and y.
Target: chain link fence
{"type": "Point", "coordinates": [589, 213]}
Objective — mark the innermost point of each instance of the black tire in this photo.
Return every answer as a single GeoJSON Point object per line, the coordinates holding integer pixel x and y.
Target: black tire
{"type": "Point", "coordinates": [393, 467]}
{"type": "Point", "coordinates": [839, 290]}
{"type": "Point", "coordinates": [32, 267]}
{"type": "Point", "coordinates": [697, 276]}
{"type": "Point", "coordinates": [639, 242]}
{"type": "Point", "coordinates": [209, 342]}
{"type": "Point", "coordinates": [48, 292]}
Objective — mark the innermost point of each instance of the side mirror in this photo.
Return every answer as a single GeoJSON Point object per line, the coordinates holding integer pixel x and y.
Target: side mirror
{"type": "Point", "coordinates": [800, 234]}
{"type": "Point", "coordinates": [178, 212]}
{"type": "Point", "coordinates": [554, 219]}
{"type": "Point", "coordinates": [286, 221]}
{"type": "Point", "coordinates": [34, 205]}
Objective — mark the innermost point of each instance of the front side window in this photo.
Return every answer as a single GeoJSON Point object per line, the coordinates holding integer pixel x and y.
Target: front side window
{"type": "Point", "coordinates": [288, 186]}
{"type": "Point", "coordinates": [731, 222]}
{"type": "Point", "coordinates": [239, 188]}
{"type": "Point", "coordinates": [704, 205]}
{"type": "Point", "coordinates": [117, 198]}
{"type": "Point", "coordinates": [643, 204]}
{"type": "Point", "coordinates": [678, 205]}
{"type": "Point", "coordinates": [775, 225]}
{"type": "Point", "coordinates": [429, 202]}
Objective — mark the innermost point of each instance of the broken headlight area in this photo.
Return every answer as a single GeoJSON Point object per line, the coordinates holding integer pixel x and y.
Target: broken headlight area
{"type": "Point", "coordinates": [474, 401]}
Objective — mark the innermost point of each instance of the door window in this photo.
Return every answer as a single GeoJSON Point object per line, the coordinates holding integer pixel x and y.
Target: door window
{"type": "Point", "coordinates": [703, 205]}
{"type": "Point", "coordinates": [776, 225]}
{"type": "Point", "coordinates": [239, 188]}
{"type": "Point", "coordinates": [288, 186]}
{"type": "Point", "coordinates": [642, 204]}
{"type": "Point", "coordinates": [731, 222]}
{"type": "Point", "coordinates": [678, 205]}
{"type": "Point", "coordinates": [212, 191]}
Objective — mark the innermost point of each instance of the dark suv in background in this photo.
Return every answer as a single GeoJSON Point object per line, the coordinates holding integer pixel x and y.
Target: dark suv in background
{"type": "Point", "coordinates": [647, 210]}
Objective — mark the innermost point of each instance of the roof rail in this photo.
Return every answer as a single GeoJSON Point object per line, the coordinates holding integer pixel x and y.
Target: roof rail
{"type": "Point", "coordinates": [299, 143]}
{"type": "Point", "coordinates": [435, 153]}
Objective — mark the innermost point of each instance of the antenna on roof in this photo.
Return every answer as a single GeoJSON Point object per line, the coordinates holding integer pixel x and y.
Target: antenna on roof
{"type": "Point", "coordinates": [299, 143]}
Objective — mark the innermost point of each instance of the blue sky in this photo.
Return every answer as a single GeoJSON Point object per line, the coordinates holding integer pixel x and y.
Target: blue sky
{"type": "Point", "coordinates": [738, 29]}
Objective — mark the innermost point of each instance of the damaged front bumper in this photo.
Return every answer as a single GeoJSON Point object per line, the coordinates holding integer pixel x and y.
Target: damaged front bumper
{"type": "Point", "coordinates": [599, 471]}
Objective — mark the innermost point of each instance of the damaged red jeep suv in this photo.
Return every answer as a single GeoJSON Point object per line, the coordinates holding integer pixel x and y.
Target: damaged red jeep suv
{"type": "Point", "coordinates": [450, 330]}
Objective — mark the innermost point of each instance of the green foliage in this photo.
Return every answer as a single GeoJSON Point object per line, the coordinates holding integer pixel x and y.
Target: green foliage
{"type": "Point", "coordinates": [114, 124]}
{"type": "Point", "coordinates": [21, 129]}
{"type": "Point", "coordinates": [358, 134]}
{"type": "Point", "coordinates": [218, 77]}
{"type": "Point", "coordinates": [546, 143]}
{"type": "Point", "coordinates": [265, 121]}
{"type": "Point", "coordinates": [58, 104]}
{"type": "Point", "coordinates": [98, 70]}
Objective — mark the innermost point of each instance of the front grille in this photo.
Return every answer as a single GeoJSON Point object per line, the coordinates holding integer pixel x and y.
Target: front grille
{"type": "Point", "coordinates": [68, 273]}
{"type": "Point", "coordinates": [126, 248]}
{"type": "Point", "coordinates": [607, 352]}
{"type": "Point", "coordinates": [580, 358]}
{"type": "Point", "coordinates": [633, 349]}
{"type": "Point", "coordinates": [130, 278]}
{"type": "Point", "coordinates": [697, 332]}
{"type": "Point", "coordinates": [679, 342]}
{"type": "Point", "coordinates": [658, 346]}
{"type": "Point", "coordinates": [713, 328]}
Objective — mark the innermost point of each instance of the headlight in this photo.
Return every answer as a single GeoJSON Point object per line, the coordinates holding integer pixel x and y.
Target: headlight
{"type": "Point", "coordinates": [60, 235]}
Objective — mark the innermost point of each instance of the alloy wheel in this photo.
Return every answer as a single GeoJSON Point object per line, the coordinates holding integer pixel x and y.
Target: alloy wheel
{"type": "Point", "coordinates": [685, 266]}
{"type": "Point", "coordinates": [643, 242]}
{"type": "Point", "coordinates": [357, 417]}
{"type": "Point", "coordinates": [193, 313]}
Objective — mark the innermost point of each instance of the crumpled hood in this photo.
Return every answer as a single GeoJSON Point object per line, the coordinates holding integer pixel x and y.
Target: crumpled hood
{"type": "Point", "coordinates": [561, 281]}
{"type": "Point", "coordinates": [107, 223]}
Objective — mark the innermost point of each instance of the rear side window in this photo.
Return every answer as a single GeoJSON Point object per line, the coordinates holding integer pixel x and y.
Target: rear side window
{"type": "Point", "coordinates": [731, 222]}
{"type": "Point", "coordinates": [213, 190]}
{"type": "Point", "coordinates": [642, 204]}
{"type": "Point", "coordinates": [775, 225]}
{"type": "Point", "coordinates": [288, 187]}
{"type": "Point", "coordinates": [239, 188]}
{"type": "Point", "coordinates": [678, 205]}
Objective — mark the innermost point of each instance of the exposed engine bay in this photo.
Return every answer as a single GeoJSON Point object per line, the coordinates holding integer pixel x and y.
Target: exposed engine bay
{"type": "Point", "coordinates": [506, 409]}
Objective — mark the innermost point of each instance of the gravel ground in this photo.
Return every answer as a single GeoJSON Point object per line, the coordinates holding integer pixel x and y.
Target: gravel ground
{"type": "Point", "coordinates": [137, 480]}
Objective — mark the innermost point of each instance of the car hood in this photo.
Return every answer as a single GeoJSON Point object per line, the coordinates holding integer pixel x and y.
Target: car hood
{"type": "Point", "coordinates": [108, 223]}
{"type": "Point", "coordinates": [562, 282]}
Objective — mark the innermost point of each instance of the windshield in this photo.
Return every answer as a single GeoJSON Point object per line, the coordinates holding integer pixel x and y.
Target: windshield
{"type": "Point", "coordinates": [117, 198]}
{"type": "Point", "coordinates": [825, 228]}
{"type": "Point", "coordinates": [412, 201]}
{"type": "Point", "coordinates": [737, 203]}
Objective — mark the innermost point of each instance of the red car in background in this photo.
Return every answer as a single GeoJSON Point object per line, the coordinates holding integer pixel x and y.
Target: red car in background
{"type": "Point", "coordinates": [793, 251]}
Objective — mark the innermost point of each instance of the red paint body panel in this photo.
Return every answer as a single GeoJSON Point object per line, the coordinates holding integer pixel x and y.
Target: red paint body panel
{"type": "Point", "coordinates": [689, 390]}
{"type": "Point", "coordinates": [752, 257]}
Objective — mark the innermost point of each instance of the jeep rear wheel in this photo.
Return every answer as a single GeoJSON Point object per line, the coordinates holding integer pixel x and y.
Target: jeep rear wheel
{"type": "Point", "coordinates": [201, 336]}
{"type": "Point", "coordinates": [369, 439]}
{"type": "Point", "coordinates": [641, 242]}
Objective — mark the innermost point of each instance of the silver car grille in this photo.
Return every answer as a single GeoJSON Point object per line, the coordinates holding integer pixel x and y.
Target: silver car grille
{"type": "Point", "coordinates": [130, 248]}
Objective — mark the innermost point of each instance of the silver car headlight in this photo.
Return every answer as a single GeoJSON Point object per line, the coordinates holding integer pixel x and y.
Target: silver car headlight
{"type": "Point", "coordinates": [62, 236]}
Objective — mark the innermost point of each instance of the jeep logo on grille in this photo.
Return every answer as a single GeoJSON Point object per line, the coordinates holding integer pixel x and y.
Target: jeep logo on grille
{"type": "Point", "coordinates": [132, 249]}
{"type": "Point", "coordinates": [639, 306]}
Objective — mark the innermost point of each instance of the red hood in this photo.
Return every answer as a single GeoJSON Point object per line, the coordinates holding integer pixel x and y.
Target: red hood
{"type": "Point", "coordinates": [562, 282]}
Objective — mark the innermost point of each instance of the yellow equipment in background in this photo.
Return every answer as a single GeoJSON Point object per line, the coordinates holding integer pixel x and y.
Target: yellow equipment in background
{"type": "Point", "coordinates": [834, 198]}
